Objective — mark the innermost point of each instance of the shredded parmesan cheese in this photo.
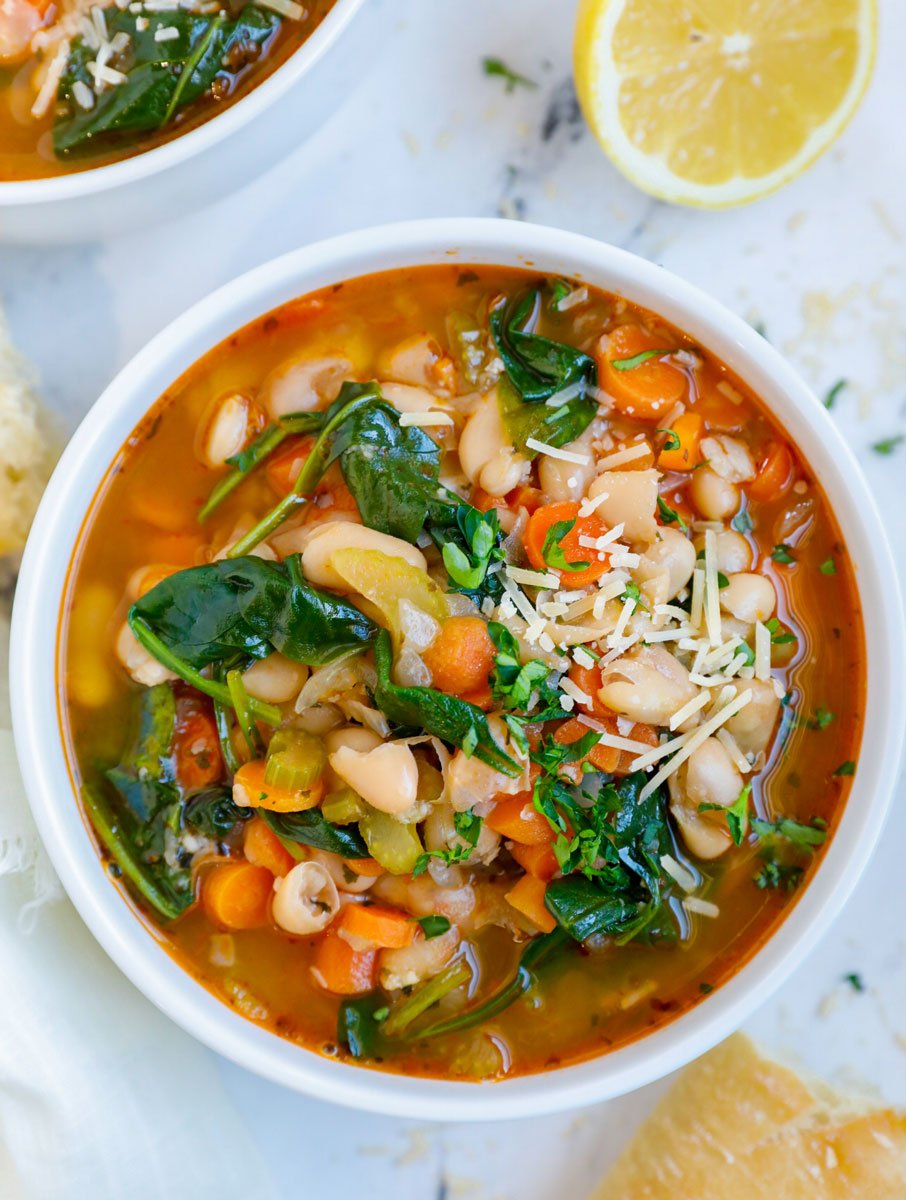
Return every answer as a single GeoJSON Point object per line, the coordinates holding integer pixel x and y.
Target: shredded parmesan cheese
{"type": "Point", "coordinates": [762, 651]}
{"type": "Point", "coordinates": [712, 591]}
{"type": "Point", "coordinates": [678, 873]}
{"type": "Point", "coordinates": [689, 709]}
{"type": "Point", "coordinates": [569, 456]}
{"type": "Point", "coordinates": [704, 908]}
{"type": "Point", "coordinates": [701, 734]}
{"type": "Point", "coordinates": [424, 419]}
{"type": "Point", "coordinates": [589, 504]}
{"type": "Point", "coordinates": [627, 454]}
{"type": "Point", "coordinates": [576, 693]}
{"type": "Point", "coordinates": [542, 579]}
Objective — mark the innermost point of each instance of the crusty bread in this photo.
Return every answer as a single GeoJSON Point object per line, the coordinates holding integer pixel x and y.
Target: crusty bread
{"type": "Point", "coordinates": [740, 1126]}
{"type": "Point", "coordinates": [26, 458]}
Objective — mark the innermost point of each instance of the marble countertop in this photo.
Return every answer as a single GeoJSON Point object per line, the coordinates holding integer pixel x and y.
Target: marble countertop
{"type": "Point", "coordinates": [821, 266]}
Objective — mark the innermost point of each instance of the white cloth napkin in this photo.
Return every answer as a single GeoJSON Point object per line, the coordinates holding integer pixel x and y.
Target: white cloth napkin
{"type": "Point", "coordinates": [101, 1096]}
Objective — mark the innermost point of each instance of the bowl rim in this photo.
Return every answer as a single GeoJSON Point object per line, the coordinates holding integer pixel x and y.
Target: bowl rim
{"type": "Point", "coordinates": [93, 180]}
{"type": "Point", "coordinates": [34, 662]}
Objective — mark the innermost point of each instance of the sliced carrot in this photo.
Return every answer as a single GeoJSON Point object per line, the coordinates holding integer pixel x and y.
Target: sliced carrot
{"type": "Point", "coordinates": [385, 928]}
{"type": "Point", "coordinates": [588, 680]}
{"type": "Point", "coordinates": [263, 848]}
{"type": "Point", "coordinates": [254, 791]}
{"type": "Point", "coordinates": [196, 747]}
{"type": "Point", "coordinates": [539, 525]}
{"type": "Point", "coordinates": [539, 860]}
{"type": "Point", "coordinates": [647, 391]}
{"type": "Point", "coordinates": [481, 698]}
{"type": "Point", "coordinates": [282, 468]}
{"type": "Point", "coordinates": [340, 969]}
{"type": "Point", "coordinates": [525, 497]}
{"type": "Point", "coordinates": [516, 818]}
{"type": "Point", "coordinates": [461, 656]}
{"type": "Point", "coordinates": [527, 897]}
{"type": "Point", "coordinates": [364, 866]}
{"type": "Point", "coordinates": [237, 895]}
{"type": "Point", "coordinates": [687, 429]}
{"type": "Point", "coordinates": [602, 758]}
{"type": "Point", "coordinates": [775, 473]}
{"type": "Point", "coordinates": [149, 577]}
{"type": "Point", "coordinates": [484, 501]}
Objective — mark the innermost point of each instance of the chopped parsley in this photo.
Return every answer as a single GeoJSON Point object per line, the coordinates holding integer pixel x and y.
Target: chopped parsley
{"type": "Point", "coordinates": [552, 550]}
{"type": "Point", "coordinates": [794, 832]}
{"type": "Point", "coordinates": [779, 636]}
{"type": "Point", "coordinates": [468, 828]}
{"type": "Point", "coordinates": [670, 516]}
{"type": "Point", "coordinates": [672, 441]}
{"type": "Point", "coordinates": [888, 445]}
{"type": "Point", "coordinates": [433, 925]}
{"type": "Point", "coordinates": [481, 534]}
{"type": "Point", "coordinates": [828, 567]}
{"type": "Point", "coordinates": [629, 364]}
{"type": "Point", "coordinates": [782, 553]}
{"type": "Point", "coordinates": [742, 522]}
{"type": "Point", "coordinates": [559, 290]}
{"type": "Point", "coordinates": [778, 876]}
{"type": "Point", "coordinates": [855, 981]}
{"type": "Point", "coordinates": [834, 392]}
{"type": "Point", "coordinates": [705, 988]}
{"type": "Point", "coordinates": [822, 718]}
{"type": "Point", "coordinates": [497, 68]}
{"type": "Point", "coordinates": [845, 769]}
{"type": "Point", "coordinates": [737, 814]}
{"type": "Point", "coordinates": [512, 681]}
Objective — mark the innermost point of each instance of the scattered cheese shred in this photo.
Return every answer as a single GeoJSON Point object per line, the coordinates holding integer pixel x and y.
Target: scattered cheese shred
{"type": "Point", "coordinates": [679, 873]}
{"type": "Point", "coordinates": [627, 454]}
{"type": "Point", "coordinates": [704, 908]}
{"type": "Point", "coordinates": [729, 743]}
{"type": "Point", "coordinates": [688, 709]}
{"type": "Point", "coordinates": [590, 503]}
{"type": "Point", "coordinates": [701, 734]}
{"type": "Point", "coordinates": [569, 456]}
{"type": "Point", "coordinates": [712, 590]}
{"type": "Point", "coordinates": [583, 658]}
{"type": "Point", "coordinates": [424, 419]}
{"type": "Point", "coordinates": [574, 692]}
{"type": "Point", "coordinates": [762, 651]}
{"type": "Point", "coordinates": [286, 8]}
{"type": "Point", "coordinates": [697, 606]}
{"type": "Point", "coordinates": [542, 579]}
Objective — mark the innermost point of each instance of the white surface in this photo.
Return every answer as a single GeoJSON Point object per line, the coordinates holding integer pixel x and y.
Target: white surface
{"type": "Point", "coordinates": [42, 582]}
{"type": "Point", "coordinates": [822, 264]}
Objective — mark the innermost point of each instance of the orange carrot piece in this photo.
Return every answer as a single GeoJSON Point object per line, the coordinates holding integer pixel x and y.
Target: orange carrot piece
{"type": "Point", "coordinates": [250, 779]}
{"type": "Point", "coordinates": [385, 928]}
{"type": "Point", "coordinates": [261, 846]}
{"type": "Point", "coordinates": [364, 866]}
{"type": "Point", "coordinates": [649, 390]}
{"type": "Point", "coordinates": [196, 747]}
{"type": "Point", "coordinates": [540, 523]}
{"type": "Point", "coordinates": [516, 818]}
{"type": "Point", "coordinates": [775, 473]}
{"type": "Point", "coordinates": [688, 428]}
{"type": "Point", "coordinates": [527, 897]}
{"type": "Point", "coordinates": [237, 895]}
{"type": "Point", "coordinates": [524, 496]}
{"type": "Point", "coordinates": [539, 860]}
{"type": "Point", "coordinates": [282, 468]}
{"type": "Point", "coordinates": [340, 969]}
{"type": "Point", "coordinates": [461, 656]}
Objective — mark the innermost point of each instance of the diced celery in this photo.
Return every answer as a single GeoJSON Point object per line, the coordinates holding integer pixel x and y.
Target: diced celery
{"type": "Point", "coordinates": [343, 807]}
{"type": "Point", "coordinates": [394, 845]}
{"type": "Point", "coordinates": [295, 760]}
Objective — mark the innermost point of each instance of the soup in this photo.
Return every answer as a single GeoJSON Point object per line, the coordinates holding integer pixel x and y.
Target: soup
{"type": "Point", "coordinates": [83, 85]}
{"type": "Point", "coordinates": [461, 671]}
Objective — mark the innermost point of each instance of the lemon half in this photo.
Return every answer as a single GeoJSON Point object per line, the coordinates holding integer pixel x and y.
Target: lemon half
{"type": "Point", "coordinates": [717, 102]}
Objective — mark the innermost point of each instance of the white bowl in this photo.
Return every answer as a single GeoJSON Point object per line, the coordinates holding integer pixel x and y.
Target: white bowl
{"type": "Point", "coordinates": [232, 148]}
{"type": "Point", "coordinates": [35, 693]}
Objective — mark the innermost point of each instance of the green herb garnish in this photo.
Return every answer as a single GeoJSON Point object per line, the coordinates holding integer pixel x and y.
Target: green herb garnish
{"type": "Point", "coordinates": [497, 68]}
{"type": "Point", "coordinates": [834, 392]}
{"type": "Point", "coordinates": [670, 516]}
{"type": "Point", "coordinates": [552, 550]}
{"type": "Point", "coordinates": [888, 445]}
{"type": "Point", "coordinates": [629, 364]}
{"type": "Point", "coordinates": [782, 553]}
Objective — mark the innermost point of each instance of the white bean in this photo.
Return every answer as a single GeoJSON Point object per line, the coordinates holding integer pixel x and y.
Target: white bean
{"type": "Point", "coordinates": [421, 959]}
{"type": "Point", "coordinates": [345, 879]}
{"type": "Point", "coordinates": [631, 501]}
{"type": "Point", "coordinates": [413, 361]}
{"type": "Point", "coordinates": [386, 777]}
{"type": "Point", "coordinates": [647, 685]}
{"type": "Point", "coordinates": [346, 535]}
{"type": "Point", "coordinates": [485, 446]}
{"type": "Point", "coordinates": [709, 777]}
{"type": "Point", "coordinates": [672, 555]}
{"type": "Point", "coordinates": [275, 679]}
{"type": "Point", "coordinates": [469, 781]}
{"type": "Point", "coordinates": [728, 457]}
{"type": "Point", "coordinates": [748, 597]}
{"type": "Point", "coordinates": [732, 552]}
{"type": "Point", "coordinates": [714, 497]}
{"type": "Point", "coordinates": [227, 425]}
{"type": "Point", "coordinates": [304, 384]}
{"type": "Point", "coordinates": [355, 737]}
{"type": "Point", "coordinates": [306, 900]}
{"type": "Point", "coordinates": [565, 480]}
{"type": "Point", "coordinates": [753, 726]}
{"type": "Point", "coordinates": [440, 834]}
{"type": "Point", "coordinates": [142, 666]}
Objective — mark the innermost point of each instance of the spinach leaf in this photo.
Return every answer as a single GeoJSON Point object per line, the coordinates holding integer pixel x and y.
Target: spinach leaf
{"type": "Point", "coordinates": [358, 1025]}
{"type": "Point", "coordinates": [311, 828]}
{"type": "Point", "coordinates": [447, 717]}
{"type": "Point", "coordinates": [390, 469]}
{"type": "Point", "coordinates": [137, 810]}
{"type": "Point", "coordinates": [161, 76]}
{"type": "Point", "coordinates": [583, 908]}
{"type": "Point", "coordinates": [538, 368]}
{"type": "Point", "coordinates": [213, 813]}
{"type": "Point", "coordinates": [469, 541]}
{"type": "Point", "coordinates": [245, 608]}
